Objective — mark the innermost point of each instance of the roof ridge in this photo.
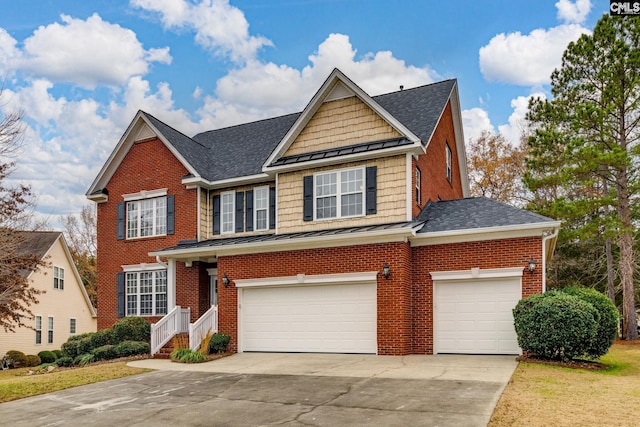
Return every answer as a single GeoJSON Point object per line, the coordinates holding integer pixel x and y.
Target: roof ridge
{"type": "Point", "coordinates": [248, 123]}
{"type": "Point", "coordinates": [416, 87]}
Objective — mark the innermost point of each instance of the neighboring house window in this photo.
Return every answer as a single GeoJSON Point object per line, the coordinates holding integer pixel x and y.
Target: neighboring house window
{"type": "Point", "coordinates": [339, 194]}
{"type": "Point", "coordinates": [448, 153]}
{"type": "Point", "coordinates": [58, 278]}
{"type": "Point", "coordinates": [146, 293]}
{"type": "Point", "coordinates": [261, 208]}
{"type": "Point", "coordinates": [147, 217]}
{"type": "Point", "coordinates": [50, 331]}
{"type": "Point", "coordinates": [228, 211]}
{"type": "Point", "coordinates": [418, 197]}
{"type": "Point", "coordinates": [38, 328]}
{"type": "Point", "coordinates": [72, 326]}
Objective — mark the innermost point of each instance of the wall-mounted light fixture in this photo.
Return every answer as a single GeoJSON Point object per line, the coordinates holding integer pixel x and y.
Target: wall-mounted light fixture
{"type": "Point", "coordinates": [386, 271]}
{"type": "Point", "coordinates": [225, 280]}
{"type": "Point", "coordinates": [532, 265]}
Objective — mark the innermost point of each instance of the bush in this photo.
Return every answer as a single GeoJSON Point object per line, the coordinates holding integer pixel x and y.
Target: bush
{"type": "Point", "coordinates": [100, 338]}
{"type": "Point", "coordinates": [132, 348]}
{"type": "Point", "coordinates": [556, 326]}
{"type": "Point", "coordinates": [32, 360]}
{"type": "Point", "coordinates": [84, 359]}
{"type": "Point", "coordinates": [219, 343]}
{"type": "Point", "coordinates": [608, 323]}
{"type": "Point", "coordinates": [64, 361]}
{"type": "Point", "coordinates": [17, 358]}
{"type": "Point", "coordinates": [47, 356]}
{"type": "Point", "coordinates": [58, 354]}
{"type": "Point", "coordinates": [131, 329]}
{"type": "Point", "coordinates": [77, 345]}
{"type": "Point", "coordinates": [105, 352]}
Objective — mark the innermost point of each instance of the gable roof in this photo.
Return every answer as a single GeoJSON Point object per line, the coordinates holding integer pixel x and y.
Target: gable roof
{"type": "Point", "coordinates": [241, 152]}
{"type": "Point", "coordinates": [475, 213]}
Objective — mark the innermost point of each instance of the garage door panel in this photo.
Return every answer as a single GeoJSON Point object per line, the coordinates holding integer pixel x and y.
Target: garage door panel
{"type": "Point", "coordinates": [475, 316]}
{"type": "Point", "coordinates": [328, 318]}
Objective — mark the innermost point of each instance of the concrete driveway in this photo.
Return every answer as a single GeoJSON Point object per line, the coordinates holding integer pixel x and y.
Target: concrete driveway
{"type": "Point", "coordinates": [252, 389]}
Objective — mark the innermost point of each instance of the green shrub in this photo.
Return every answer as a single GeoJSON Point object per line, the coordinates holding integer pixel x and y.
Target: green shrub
{"type": "Point", "coordinates": [58, 354]}
{"type": "Point", "coordinates": [100, 338]}
{"type": "Point", "coordinates": [219, 343]}
{"type": "Point", "coordinates": [105, 352]}
{"type": "Point", "coordinates": [131, 329]}
{"type": "Point", "coordinates": [32, 360]}
{"type": "Point", "coordinates": [77, 345]}
{"type": "Point", "coordinates": [17, 358]}
{"type": "Point", "coordinates": [84, 359]}
{"type": "Point", "coordinates": [64, 361]}
{"type": "Point", "coordinates": [608, 323]}
{"type": "Point", "coordinates": [556, 326]}
{"type": "Point", "coordinates": [132, 348]}
{"type": "Point", "coordinates": [186, 355]}
{"type": "Point", "coordinates": [47, 356]}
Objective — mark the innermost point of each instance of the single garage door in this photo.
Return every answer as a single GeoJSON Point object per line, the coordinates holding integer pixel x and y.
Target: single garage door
{"type": "Point", "coordinates": [475, 316]}
{"type": "Point", "coordinates": [311, 319]}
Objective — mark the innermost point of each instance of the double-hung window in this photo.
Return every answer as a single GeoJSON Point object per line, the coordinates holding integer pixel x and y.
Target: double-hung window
{"type": "Point", "coordinates": [147, 217]}
{"type": "Point", "coordinates": [448, 154]}
{"type": "Point", "coordinates": [72, 326]}
{"type": "Point", "coordinates": [228, 211]}
{"type": "Point", "coordinates": [261, 208]}
{"type": "Point", "coordinates": [146, 293]}
{"type": "Point", "coordinates": [418, 178]}
{"type": "Point", "coordinates": [38, 328]}
{"type": "Point", "coordinates": [339, 194]}
{"type": "Point", "coordinates": [50, 331]}
{"type": "Point", "coordinates": [58, 278]}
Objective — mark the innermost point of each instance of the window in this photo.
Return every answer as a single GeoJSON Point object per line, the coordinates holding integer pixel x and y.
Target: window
{"type": "Point", "coordinates": [147, 217]}
{"type": "Point", "coordinates": [418, 196]}
{"type": "Point", "coordinates": [50, 331]}
{"type": "Point", "coordinates": [146, 293]}
{"type": "Point", "coordinates": [58, 278]}
{"type": "Point", "coordinates": [38, 328]}
{"type": "Point", "coordinates": [228, 211]}
{"type": "Point", "coordinates": [261, 208]}
{"type": "Point", "coordinates": [448, 152]}
{"type": "Point", "coordinates": [339, 194]}
{"type": "Point", "coordinates": [72, 326]}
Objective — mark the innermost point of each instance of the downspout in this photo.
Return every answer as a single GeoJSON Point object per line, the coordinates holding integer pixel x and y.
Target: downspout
{"type": "Point", "coordinates": [544, 257]}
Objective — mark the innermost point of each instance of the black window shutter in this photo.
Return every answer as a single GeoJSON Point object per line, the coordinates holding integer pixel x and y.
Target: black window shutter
{"type": "Point", "coordinates": [121, 221]}
{"type": "Point", "coordinates": [171, 214]}
{"type": "Point", "coordinates": [307, 198]}
{"type": "Point", "coordinates": [216, 214]}
{"type": "Point", "coordinates": [239, 211]}
{"type": "Point", "coordinates": [272, 208]}
{"type": "Point", "coordinates": [372, 183]}
{"type": "Point", "coordinates": [121, 294]}
{"type": "Point", "coordinates": [249, 210]}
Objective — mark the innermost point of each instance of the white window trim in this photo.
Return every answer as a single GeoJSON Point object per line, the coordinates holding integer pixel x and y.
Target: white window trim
{"type": "Point", "coordinates": [338, 194]}
{"type": "Point", "coordinates": [139, 218]}
{"type": "Point", "coordinates": [131, 268]}
{"type": "Point", "coordinates": [145, 194]}
{"type": "Point", "coordinates": [255, 211]}
{"type": "Point", "coordinates": [233, 212]}
{"type": "Point", "coordinates": [449, 159]}
{"type": "Point", "coordinates": [146, 268]}
{"type": "Point", "coordinates": [75, 325]}
{"type": "Point", "coordinates": [35, 327]}
{"type": "Point", "coordinates": [418, 189]}
{"type": "Point", "coordinates": [50, 328]}
{"type": "Point", "coordinates": [59, 269]}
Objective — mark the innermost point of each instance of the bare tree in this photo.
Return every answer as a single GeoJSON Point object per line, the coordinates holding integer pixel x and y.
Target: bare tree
{"type": "Point", "coordinates": [80, 231]}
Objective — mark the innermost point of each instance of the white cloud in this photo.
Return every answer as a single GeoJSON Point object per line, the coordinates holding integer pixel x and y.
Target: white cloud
{"type": "Point", "coordinates": [527, 60]}
{"type": "Point", "coordinates": [218, 26]}
{"type": "Point", "coordinates": [573, 11]}
{"type": "Point", "coordinates": [514, 129]}
{"type": "Point", "coordinates": [475, 121]}
{"type": "Point", "coordinates": [9, 53]}
{"type": "Point", "coordinates": [87, 53]}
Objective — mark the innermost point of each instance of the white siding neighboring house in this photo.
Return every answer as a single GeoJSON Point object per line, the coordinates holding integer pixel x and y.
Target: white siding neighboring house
{"type": "Point", "coordinates": [63, 310]}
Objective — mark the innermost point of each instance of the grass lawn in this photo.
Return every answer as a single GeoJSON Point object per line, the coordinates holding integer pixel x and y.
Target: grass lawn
{"type": "Point", "coordinates": [541, 395]}
{"type": "Point", "coordinates": [14, 384]}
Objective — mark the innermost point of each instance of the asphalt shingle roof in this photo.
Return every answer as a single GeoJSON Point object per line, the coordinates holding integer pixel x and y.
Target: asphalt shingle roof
{"type": "Point", "coordinates": [473, 212]}
{"type": "Point", "coordinates": [241, 150]}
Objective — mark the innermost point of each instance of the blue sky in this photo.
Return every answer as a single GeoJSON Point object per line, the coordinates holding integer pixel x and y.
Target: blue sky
{"type": "Point", "coordinates": [81, 69]}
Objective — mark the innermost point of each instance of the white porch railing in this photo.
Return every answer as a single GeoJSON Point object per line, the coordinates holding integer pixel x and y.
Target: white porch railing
{"type": "Point", "coordinates": [175, 322]}
{"type": "Point", "coordinates": [208, 322]}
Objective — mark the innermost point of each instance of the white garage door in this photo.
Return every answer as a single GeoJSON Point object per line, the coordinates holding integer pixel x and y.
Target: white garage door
{"type": "Point", "coordinates": [475, 316]}
{"type": "Point", "coordinates": [314, 319]}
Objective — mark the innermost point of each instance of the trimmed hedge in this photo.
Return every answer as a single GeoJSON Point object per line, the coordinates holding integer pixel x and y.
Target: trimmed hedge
{"type": "Point", "coordinates": [17, 358]}
{"type": "Point", "coordinates": [105, 352]}
{"type": "Point", "coordinates": [132, 348]}
{"type": "Point", "coordinates": [58, 353]}
{"type": "Point", "coordinates": [32, 360]}
{"type": "Point", "coordinates": [47, 356]}
{"type": "Point", "coordinates": [100, 338]}
{"type": "Point", "coordinates": [219, 343]}
{"type": "Point", "coordinates": [131, 329]}
{"type": "Point", "coordinates": [64, 361]}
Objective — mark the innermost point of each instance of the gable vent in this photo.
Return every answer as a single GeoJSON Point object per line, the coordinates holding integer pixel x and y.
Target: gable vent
{"type": "Point", "coordinates": [339, 91]}
{"type": "Point", "coordinates": [144, 132]}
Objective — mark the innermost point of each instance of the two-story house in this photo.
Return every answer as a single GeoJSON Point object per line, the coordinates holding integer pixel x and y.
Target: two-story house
{"type": "Point", "coordinates": [343, 228]}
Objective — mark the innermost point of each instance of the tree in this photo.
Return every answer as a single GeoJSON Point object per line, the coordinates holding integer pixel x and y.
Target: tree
{"type": "Point", "coordinates": [81, 235]}
{"type": "Point", "coordinates": [585, 144]}
{"type": "Point", "coordinates": [16, 295]}
{"type": "Point", "coordinates": [496, 168]}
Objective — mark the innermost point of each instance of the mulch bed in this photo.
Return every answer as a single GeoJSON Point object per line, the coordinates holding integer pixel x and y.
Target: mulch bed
{"type": "Point", "coordinates": [573, 364]}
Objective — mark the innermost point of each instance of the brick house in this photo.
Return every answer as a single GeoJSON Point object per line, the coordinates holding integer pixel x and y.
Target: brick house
{"type": "Point", "coordinates": [344, 228]}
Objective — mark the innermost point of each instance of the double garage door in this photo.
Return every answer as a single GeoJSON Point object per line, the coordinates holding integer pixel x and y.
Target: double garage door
{"type": "Point", "coordinates": [332, 318]}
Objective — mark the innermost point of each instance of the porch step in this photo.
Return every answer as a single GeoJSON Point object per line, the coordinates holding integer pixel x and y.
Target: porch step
{"type": "Point", "coordinates": [178, 341]}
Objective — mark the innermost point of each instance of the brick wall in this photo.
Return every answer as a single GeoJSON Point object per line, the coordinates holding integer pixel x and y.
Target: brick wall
{"type": "Point", "coordinates": [463, 256]}
{"type": "Point", "coordinates": [148, 165]}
